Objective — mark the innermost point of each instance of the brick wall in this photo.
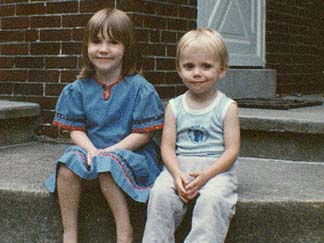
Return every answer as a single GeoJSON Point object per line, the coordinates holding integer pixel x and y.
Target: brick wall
{"type": "Point", "coordinates": [295, 44]}
{"type": "Point", "coordinates": [40, 45]}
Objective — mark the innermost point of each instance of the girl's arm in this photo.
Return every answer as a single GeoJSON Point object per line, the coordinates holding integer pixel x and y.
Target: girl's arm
{"type": "Point", "coordinates": [81, 139]}
{"type": "Point", "coordinates": [168, 144]}
{"type": "Point", "coordinates": [226, 160]}
{"type": "Point", "coordinates": [132, 142]}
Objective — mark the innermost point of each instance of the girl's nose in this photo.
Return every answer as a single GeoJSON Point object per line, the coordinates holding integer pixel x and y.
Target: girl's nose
{"type": "Point", "coordinates": [104, 47]}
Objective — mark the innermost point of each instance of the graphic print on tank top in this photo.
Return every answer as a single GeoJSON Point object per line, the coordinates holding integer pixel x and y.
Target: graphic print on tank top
{"type": "Point", "coordinates": [198, 134]}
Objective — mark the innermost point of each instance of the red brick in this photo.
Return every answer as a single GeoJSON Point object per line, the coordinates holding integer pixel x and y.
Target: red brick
{"type": "Point", "coordinates": [45, 102]}
{"type": "Point", "coordinates": [71, 48]}
{"type": "Point", "coordinates": [29, 62]}
{"type": "Point", "coordinates": [14, 49]}
{"type": "Point", "coordinates": [47, 116]}
{"type": "Point", "coordinates": [79, 20]}
{"type": "Point", "coordinates": [11, 36]}
{"type": "Point", "coordinates": [31, 35]}
{"type": "Point", "coordinates": [62, 7]}
{"type": "Point", "coordinates": [168, 37]}
{"type": "Point", "coordinates": [60, 62]}
{"type": "Point", "coordinates": [77, 34]}
{"type": "Point", "coordinates": [6, 62]}
{"type": "Point", "coordinates": [55, 35]}
{"type": "Point", "coordinates": [88, 6]}
{"type": "Point", "coordinates": [6, 88]}
{"type": "Point", "coordinates": [45, 22]}
{"type": "Point", "coordinates": [30, 9]}
{"type": "Point", "coordinates": [155, 77]}
{"type": "Point", "coordinates": [7, 10]}
{"type": "Point", "coordinates": [177, 24]}
{"type": "Point", "coordinates": [43, 76]}
{"type": "Point", "coordinates": [15, 23]}
{"type": "Point", "coordinates": [53, 89]}
{"type": "Point", "coordinates": [13, 75]}
{"type": "Point", "coordinates": [68, 76]}
{"type": "Point", "coordinates": [28, 89]}
{"type": "Point", "coordinates": [148, 63]}
{"type": "Point", "coordinates": [165, 64]}
{"type": "Point", "coordinates": [166, 91]}
{"type": "Point", "coordinates": [45, 48]}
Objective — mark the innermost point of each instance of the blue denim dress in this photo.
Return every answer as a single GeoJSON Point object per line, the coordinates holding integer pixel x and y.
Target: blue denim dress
{"type": "Point", "coordinates": [133, 106]}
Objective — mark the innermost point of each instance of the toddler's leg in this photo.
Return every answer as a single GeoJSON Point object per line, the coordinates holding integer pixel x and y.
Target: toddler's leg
{"type": "Point", "coordinates": [118, 205]}
{"type": "Point", "coordinates": [165, 211]}
{"type": "Point", "coordinates": [213, 211]}
{"type": "Point", "coordinates": [69, 189]}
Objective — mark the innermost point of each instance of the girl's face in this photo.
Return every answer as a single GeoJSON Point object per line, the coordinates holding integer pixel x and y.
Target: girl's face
{"type": "Point", "coordinates": [199, 70]}
{"type": "Point", "coordinates": [106, 55]}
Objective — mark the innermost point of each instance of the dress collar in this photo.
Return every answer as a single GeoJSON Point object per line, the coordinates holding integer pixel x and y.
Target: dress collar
{"type": "Point", "coordinates": [107, 87]}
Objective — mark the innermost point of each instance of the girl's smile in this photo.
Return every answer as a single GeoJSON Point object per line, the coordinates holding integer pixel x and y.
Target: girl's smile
{"type": "Point", "coordinates": [106, 55]}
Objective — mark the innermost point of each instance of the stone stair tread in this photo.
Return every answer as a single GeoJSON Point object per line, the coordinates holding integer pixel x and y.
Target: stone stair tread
{"type": "Point", "coordinates": [299, 120]}
{"type": "Point", "coordinates": [25, 167]}
{"type": "Point", "coordinates": [15, 109]}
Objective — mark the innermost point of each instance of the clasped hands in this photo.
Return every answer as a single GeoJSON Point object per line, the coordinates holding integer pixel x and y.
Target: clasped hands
{"type": "Point", "coordinates": [91, 154]}
{"type": "Point", "coordinates": [188, 185]}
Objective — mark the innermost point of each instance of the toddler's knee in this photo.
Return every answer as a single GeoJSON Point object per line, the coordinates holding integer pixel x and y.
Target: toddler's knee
{"type": "Point", "coordinates": [160, 191]}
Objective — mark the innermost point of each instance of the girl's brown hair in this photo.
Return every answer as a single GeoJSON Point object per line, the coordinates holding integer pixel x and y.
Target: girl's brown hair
{"type": "Point", "coordinates": [119, 27]}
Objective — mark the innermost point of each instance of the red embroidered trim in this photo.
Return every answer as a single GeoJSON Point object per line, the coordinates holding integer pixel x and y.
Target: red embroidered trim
{"type": "Point", "coordinates": [147, 129]}
{"type": "Point", "coordinates": [107, 88]}
{"type": "Point", "coordinates": [125, 172]}
{"type": "Point", "coordinates": [67, 127]}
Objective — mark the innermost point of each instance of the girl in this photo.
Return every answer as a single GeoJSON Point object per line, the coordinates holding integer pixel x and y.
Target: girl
{"type": "Point", "coordinates": [110, 111]}
{"type": "Point", "coordinates": [200, 144]}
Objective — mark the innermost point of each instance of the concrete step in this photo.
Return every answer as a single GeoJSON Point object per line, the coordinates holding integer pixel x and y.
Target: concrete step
{"type": "Point", "coordinates": [279, 201]}
{"type": "Point", "coordinates": [18, 121]}
{"type": "Point", "coordinates": [294, 134]}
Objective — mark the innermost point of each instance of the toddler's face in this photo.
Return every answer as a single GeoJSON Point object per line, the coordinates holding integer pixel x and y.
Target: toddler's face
{"type": "Point", "coordinates": [199, 70]}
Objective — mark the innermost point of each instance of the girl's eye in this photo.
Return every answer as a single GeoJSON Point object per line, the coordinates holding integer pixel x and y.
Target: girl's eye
{"type": "Point", "coordinates": [96, 41]}
{"type": "Point", "coordinates": [114, 42]}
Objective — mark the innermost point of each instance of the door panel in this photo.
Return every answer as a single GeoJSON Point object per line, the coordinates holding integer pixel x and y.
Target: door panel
{"type": "Point", "coordinates": [241, 22]}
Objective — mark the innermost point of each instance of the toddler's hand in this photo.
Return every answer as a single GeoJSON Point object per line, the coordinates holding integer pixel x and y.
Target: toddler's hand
{"type": "Point", "coordinates": [200, 179]}
{"type": "Point", "coordinates": [180, 181]}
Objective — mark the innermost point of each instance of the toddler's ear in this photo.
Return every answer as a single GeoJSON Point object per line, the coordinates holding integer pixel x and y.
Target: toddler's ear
{"type": "Point", "coordinates": [223, 72]}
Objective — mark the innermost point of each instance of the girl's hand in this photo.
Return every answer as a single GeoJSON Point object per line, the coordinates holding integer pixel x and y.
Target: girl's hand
{"type": "Point", "coordinates": [200, 179]}
{"type": "Point", "coordinates": [90, 156]}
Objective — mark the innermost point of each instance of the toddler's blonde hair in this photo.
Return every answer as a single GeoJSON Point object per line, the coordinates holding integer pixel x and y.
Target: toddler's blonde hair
{"type": "Point", "coordinates": [208, 39]}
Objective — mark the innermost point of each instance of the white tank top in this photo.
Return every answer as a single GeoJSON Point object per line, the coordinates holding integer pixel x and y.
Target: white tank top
{"type": "Point", "coordinates": [200, 132]}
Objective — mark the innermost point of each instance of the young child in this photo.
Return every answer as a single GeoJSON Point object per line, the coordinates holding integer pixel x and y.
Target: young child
{"type": "Point", "coordinates": [200, 143]}
{"type": "Point", "coordinates": [110, 111]}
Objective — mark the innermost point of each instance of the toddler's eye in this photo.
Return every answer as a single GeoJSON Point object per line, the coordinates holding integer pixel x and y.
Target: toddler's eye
{"type": "Point", "coordinates": [206, 66]}
{"type": "Point", "coordinates": [188, 65]}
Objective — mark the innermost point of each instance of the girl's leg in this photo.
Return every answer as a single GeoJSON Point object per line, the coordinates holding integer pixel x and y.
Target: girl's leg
{"type": "Point", "coordinates": [69, 190]}
{"type": "Point", "coordinates": [118, 205]}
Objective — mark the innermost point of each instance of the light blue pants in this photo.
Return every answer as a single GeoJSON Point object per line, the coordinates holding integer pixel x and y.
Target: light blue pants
{"type": "Point", "coordinates": [212, 213]}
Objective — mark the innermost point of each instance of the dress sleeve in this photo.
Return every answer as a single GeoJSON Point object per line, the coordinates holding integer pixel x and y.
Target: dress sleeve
{"type": "Point", "coordinates": [148, 113]}
{"type": "Point", "coordinates": [69, 112]}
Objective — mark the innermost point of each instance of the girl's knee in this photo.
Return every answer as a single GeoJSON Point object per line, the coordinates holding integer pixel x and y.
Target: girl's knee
{"type": "Point", "coordinates": [65, 172]}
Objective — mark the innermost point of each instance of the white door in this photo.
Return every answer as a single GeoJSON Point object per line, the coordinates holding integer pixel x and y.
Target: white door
{"type": "Point", "coordinates": [241, 22]}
